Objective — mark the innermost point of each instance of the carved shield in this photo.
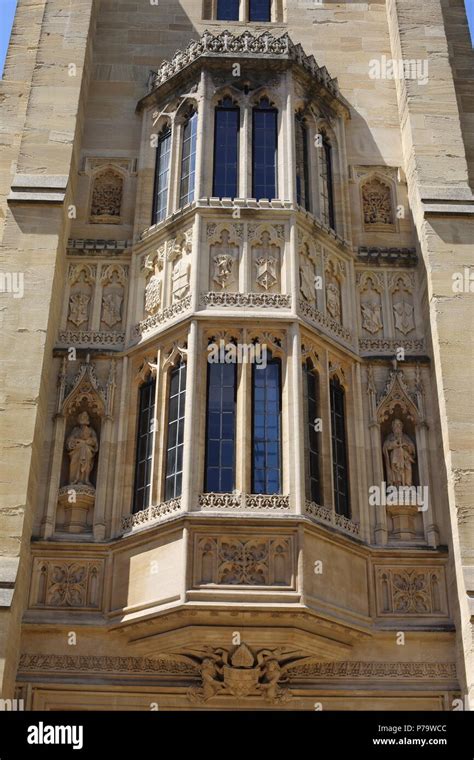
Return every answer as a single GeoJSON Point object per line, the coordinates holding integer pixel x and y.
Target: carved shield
{"type": "Point", "coordinates": [241, 681]}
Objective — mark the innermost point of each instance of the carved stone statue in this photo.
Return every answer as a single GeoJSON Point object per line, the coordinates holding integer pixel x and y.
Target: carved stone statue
{"type": "Point", "coordinates": [399, 455]}
{"type": "Point", "coordinates": [82, 446]}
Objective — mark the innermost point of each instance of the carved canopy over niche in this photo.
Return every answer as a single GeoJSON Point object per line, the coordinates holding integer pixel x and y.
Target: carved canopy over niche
{"type": "Point", "coordinates": [106, 200]}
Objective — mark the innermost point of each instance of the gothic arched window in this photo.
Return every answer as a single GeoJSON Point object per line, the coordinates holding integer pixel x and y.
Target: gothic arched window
{"type": "Point", "coordinates": [162, 172]}
{"type": "Point", "coordinates": [260, 10]}
{"type": "Point", "coordinates": [228, 10]}
{"type": "Point", "coordinates": [313, 436]}
{"type": "Point", "coordinates": [266, 427]}
{"type": "Point", "coordinates": [340, 466]}
{"type": "Point", "coordinates": [144, 450]}
{"type": "Point", "coordinates": [264, 150]}
{"type": "Point", "coordinates": [175, 436]}
{"type": "Point", "coordinates": [327, 183]}
{"type": "Point", "coordinates": [302, 163]}
{"type": "Point", "coordinates": [220, 431]}
{"type": "Point", "coordinates": [188, 160]}
{"type": "Point", "coordinates": [226, 149]}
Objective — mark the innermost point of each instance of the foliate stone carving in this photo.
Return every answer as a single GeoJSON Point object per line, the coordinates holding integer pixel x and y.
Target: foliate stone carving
{"type": "Point", "coordinates": [377, 203]}
{"type": "Point", "coordinates": [107, 197]}
{"type": "Point", "coordinates": [244, 502]}
{"type": "Point", "coordinates": [368, 671]}
{"type": "Point", "coordinates": [248, 300]}
{"type": "Point", "coordinates": [388, 346]}
{"type": "Point", "coordinates": [325, 515]}
{"type": "Point", "coordinates": [68, 583]}
{"type": "Point", "coordinates": [411, 591]}
{"type": "Point", "coordinates": [151, 515]}
{"type": "Point", "coordinates": [241, 672]}
{"type": "Point", "coordinates": [93, 338]}
{"type": "Point", "coordinates": [165, 315]}
{"type": "Point", "coordinates": [215, 229]}
{"type": "Point", "coordinates": [62, 663]}
{"type": "Point", "coordinates": [399, 456]}
{"type": "Point", "coordinates": [313, 315]}
{"type": "Point", "coordinates": [82, 446]}
{"type": "Point", "coordinates": [247, 45]}
{"type": "Point", "coordinates": [237, 560]}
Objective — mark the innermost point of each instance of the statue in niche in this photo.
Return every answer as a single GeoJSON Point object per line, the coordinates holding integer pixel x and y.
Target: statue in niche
{"type": "Point", "coordinates": [82, 446]}
{"type": "Point", "coordinates": [371, 315]}
{"type": "Point", "coordinates": [78, 308]}
{"type": "Point", "coordinates": [404, 316]}
{"type": "Point", "coordinates": [399, 455]}
{"type": "Point", "coordinates": [333, 301]}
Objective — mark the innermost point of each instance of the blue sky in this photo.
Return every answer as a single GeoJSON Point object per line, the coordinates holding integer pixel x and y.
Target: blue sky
{"type": "Point", "coordinates": [7, 11]}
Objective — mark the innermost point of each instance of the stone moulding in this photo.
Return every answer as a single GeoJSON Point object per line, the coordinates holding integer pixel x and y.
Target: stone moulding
{"type": "Point", "coordinates": [99, 664]}
{"type": "Point", "coordinates": [390, 346]}
{"type": "Point", "coordinates": [322, 320]}
{"type": "Point", "coordinates": [315, 671]}
{"type": "Point", "coordinates": [150, 516]}
{"type": "Point", "coordinates": [325, 515]}
{"type": "Point", "coordinates": [391, 257]}
{"type": "Point", "coordinates": [90, 338]}
{"type": "Point", "coordinates": [91, 247]}
{"type": "Point", "coordinates": [416, 671]}
{"type": "Point", "coordinates": [244, 502]}
{"type": "Point", "coordinates": [244, 45]}
{"type": "Point", "coordinates": [162, 316]}
{"type": "Point", "coordinates": [255, 300]}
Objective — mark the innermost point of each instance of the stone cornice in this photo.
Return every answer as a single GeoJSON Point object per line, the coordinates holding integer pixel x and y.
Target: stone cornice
{"type": "Point", "coordinates": [245, 46]}
{"type": "Point", "coordinates": [389, 257]}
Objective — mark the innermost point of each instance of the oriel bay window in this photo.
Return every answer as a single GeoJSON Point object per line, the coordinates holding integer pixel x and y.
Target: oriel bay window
{"type": "Point", "coordinates": [266, 427]}
{"type": "Point", "coordinates": [226, 149]}
{"type": "Point", "coordinates": [264, 150]}
{"type": "Point", "coordinates": [144, 450]}
{"type": "Point", "coordinates": [162, 175]}
{"type": "Point", "coordinates": [188, 160]}
{"type": "Point", "coordinates": [220, 427]}
{"type": "Point", "coordinates": [339, 448]}
{"type": "Point", "coordinates": [312, 432]}
{"type": "Point", "coordinates": [175, 431]}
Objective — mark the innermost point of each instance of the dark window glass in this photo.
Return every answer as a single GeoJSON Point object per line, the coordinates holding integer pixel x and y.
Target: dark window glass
{"type": "Point", "coordinates": [188, 160]}
{"type": "Point", "coordinates": [260, 10]}
{"type": "Point", "coordinates": [226, 135]}
{"type": "Point", "coordinates": [144, 451]}
{"type": "Point", "coordinates": [175, 441]}
{"type": "Point", "coordinates": [339, 449]}
{"type": "Point", "coordinates": [227, 10]}
{"type": "Point", "coordinates": [160, 194]}
{"type": "Point", "coordinates": [266, 431]}
{"type": "Point", "coordinates": [264, 154]}
{"type": "Point", "coordinates": [327, 184]}
{"type": "Point", "coordinates": [220, 435]}
{"type": "Point", "coordinates": [302, 164]}
{"type": "Point", "coordinates": [313, 436]}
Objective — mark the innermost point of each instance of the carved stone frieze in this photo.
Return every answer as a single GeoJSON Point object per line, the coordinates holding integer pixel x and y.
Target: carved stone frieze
{"type": "Point", "coordinates": [93, 338]}
{"type": "Point", "coordinates": [67, 583]}
{"type": "Point", "coordinates": [389, 346]}
{"type": "Point", "coordinates": [162, 316]}
{"type": "Point", "coordinates": [151, 515]}
{"type": "Point", "coordinates": [238, 560]}
{"type": "Point", "coordinates": [313, 315]}
{"type": "Point", "coordinates": [248, 300]}
{"type": "Point", "coordinates": [417, 590]}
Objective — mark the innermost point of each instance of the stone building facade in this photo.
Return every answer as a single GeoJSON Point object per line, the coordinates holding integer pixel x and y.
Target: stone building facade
{"type": "Point", "coordinates": [242, 335]}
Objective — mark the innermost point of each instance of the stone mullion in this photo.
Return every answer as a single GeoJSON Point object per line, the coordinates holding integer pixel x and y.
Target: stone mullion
{"type": "Point", "coordinates": [48, 524]}
{"type": "Point", "coordinates": [290, 163]}
{"type": "Point", "coordinates": [123, 419]}
{"type": "Point", "coordinates": [359, 485]}
{"type": "Point", "coordinates": [244, 426]}
{"type": "Point", "coordinates": [157, 434]}
{"type": "Point", "coordinates": [381, 529]}
{"type": "Point", "coordinates": [429, 520]}
{"type": "Point", "coordinates": [189, 491]}
{"type": "Point", "coordinates": [102, 484]}
{"type": "Point", "coordinates": [245, 151]}
{"type": "Point", "coordinates": [296, 443]}
{"type": "Point", "coordinates": [203, 118]}
{"type": "Point", "coordinates": [326, 458]}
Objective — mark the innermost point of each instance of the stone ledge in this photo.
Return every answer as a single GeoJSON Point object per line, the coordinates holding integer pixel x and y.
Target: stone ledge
{"type": "Point", "coordinates": [38, 188]}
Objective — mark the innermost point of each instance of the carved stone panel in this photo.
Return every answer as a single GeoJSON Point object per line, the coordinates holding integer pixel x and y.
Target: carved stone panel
{"type": "Point", "coordinates": [81, 279]}
{"type": "Point", "coordinates": [237, 560]}
{"type": "Point", "coordinates": [106, 202]}
{"type": "Point", "coordinates": [67, 583]}
{"type": "Point", "coordinates": [402, 287]}
{"type": "Point", "coordinates": [266, 242]}
{"type": "Point", "coordinates": [411, 591]}
{"type": "Point", "coordinates": [113, 280]}
{"type": "Point", "coordinates": [377, 204]}
{"type": "Point", "coordinates": [371, 287]}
